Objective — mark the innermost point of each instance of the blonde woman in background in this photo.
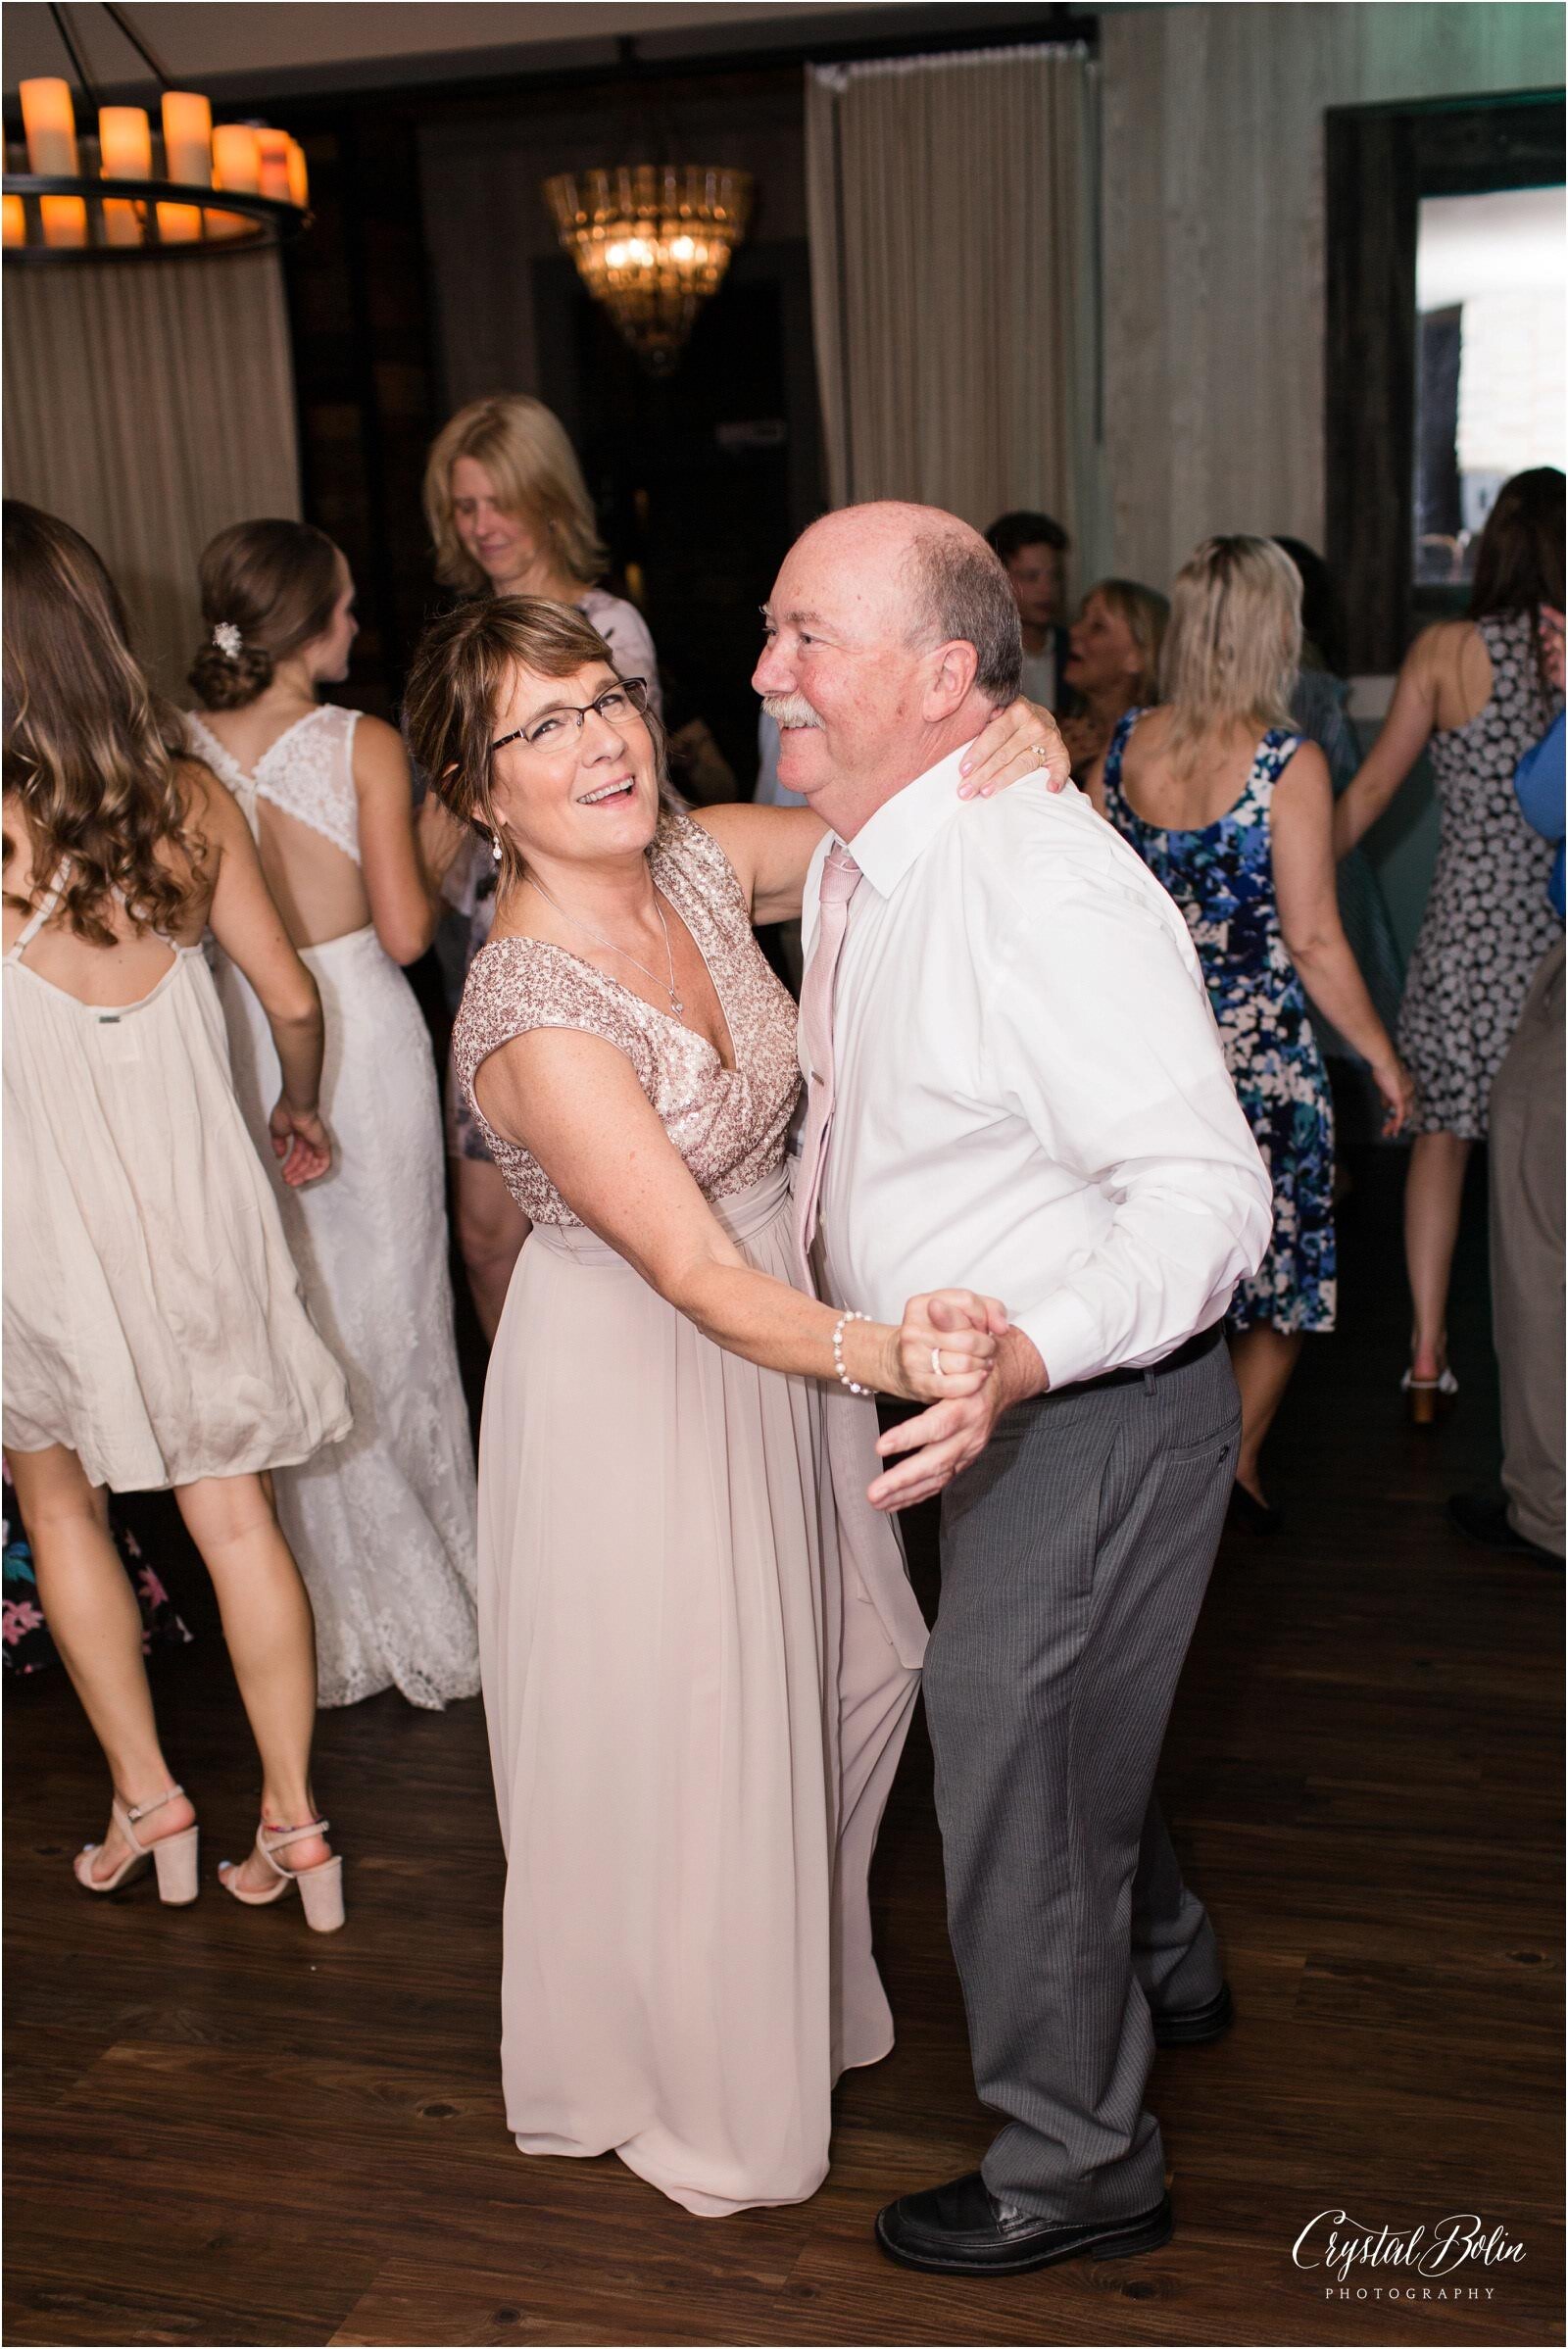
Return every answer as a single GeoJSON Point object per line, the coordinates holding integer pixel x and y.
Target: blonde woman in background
{"type": "Point", "coordinates": [510, 515]}
{"type": "Point", "coordinates": [154, 1337]}
{"type": "Point", "coordinates": [384, 1524]}
{"type": "Point", "coordinates": [1113, 665]}
{"type": "Point", "coordinates": [1232, 812]}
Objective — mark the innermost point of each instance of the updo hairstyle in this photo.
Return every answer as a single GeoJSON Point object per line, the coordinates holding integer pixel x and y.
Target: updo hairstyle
{"type": "Point", "coordinates": [270, 584]}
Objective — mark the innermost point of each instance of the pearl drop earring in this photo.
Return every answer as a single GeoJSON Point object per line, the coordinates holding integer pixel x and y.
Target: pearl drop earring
{"type": "Point", "coordinates": [495, 848]}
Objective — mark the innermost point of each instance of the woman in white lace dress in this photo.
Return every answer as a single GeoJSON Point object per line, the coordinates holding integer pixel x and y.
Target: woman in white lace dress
{"type": "Point", "coordinates": [383, 1523]}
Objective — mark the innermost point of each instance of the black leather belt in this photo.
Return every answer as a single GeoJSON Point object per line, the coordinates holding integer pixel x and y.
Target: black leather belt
{"type": "Point", "coordinates": [1193, 1351]}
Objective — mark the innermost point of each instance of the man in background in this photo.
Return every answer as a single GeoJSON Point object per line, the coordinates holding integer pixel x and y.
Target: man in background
{"type": "Point", "coordinates": [1033, 551]}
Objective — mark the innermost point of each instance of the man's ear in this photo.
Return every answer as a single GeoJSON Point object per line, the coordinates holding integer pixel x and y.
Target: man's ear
{"type": "Point", "coordinates": [950, 680]}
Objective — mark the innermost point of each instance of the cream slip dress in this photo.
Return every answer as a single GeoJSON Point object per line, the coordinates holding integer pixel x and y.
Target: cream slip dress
{"type": "Point", "coordinates": [384, 1524]}
{"type": "Point", "coordinates": [153, 1316]}
{"type": "Point", "coordinates": [699, 1660]}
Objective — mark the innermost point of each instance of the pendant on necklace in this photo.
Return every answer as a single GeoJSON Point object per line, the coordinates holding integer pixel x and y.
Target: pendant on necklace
{"type": "Point", "coordinates": [677, 1007]}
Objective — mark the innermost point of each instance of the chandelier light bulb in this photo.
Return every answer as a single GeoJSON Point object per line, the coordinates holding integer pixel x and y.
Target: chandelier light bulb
{"type": "Point", "coordinates": [651, 242]}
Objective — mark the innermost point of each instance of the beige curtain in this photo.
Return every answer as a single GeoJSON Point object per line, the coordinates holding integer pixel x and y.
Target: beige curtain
{"type": "Point", "coordinates": [149, 404]}
{"type": "Point", "coordinates": [954, 301]}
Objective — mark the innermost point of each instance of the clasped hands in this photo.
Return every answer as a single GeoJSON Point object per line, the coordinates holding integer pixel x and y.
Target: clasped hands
{"type": "Point", "coordinates": [957, 1352]}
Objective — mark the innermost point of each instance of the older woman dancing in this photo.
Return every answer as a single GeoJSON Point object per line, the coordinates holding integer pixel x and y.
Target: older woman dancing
{"type": "Point", "coordinates": [698, 1661]}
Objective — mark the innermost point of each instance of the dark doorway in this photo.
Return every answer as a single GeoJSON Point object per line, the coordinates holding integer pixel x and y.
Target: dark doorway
{"type": "Point", "coordinates": [1380, 163]}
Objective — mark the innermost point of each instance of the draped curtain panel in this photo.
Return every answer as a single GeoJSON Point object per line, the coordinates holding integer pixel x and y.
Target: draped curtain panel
{"type": "Point", "coordinates": [952, 208]}
{"type": "Point", "coordinates": [150, 405]}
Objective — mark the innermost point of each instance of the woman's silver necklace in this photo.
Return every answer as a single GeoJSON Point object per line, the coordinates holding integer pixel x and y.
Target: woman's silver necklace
{"type": "Point", "coordinates": [676, 1007]}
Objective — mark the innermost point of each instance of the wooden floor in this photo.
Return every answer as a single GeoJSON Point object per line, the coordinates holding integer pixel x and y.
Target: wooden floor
{"type": "Point", "coordinates": [223, 2130]}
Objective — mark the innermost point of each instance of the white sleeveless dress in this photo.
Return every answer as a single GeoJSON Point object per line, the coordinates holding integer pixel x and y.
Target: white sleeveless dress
{"type": "Point", "coordinates": [153, 1317]}
{"type": "Point", "coordinates": [383, 1525]}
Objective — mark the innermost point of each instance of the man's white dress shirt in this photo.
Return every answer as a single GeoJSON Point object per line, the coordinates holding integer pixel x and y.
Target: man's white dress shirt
{"type": "Point", "coordinates": [1031, 1098]}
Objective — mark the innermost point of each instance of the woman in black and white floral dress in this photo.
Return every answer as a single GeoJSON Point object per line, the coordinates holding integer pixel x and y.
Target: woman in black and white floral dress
{"type": "Point", "coordinates": [1474, 693]}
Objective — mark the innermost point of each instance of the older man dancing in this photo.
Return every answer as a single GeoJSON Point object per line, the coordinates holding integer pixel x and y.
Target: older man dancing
{"type": "Point", "coordinates": [1016, 1083]}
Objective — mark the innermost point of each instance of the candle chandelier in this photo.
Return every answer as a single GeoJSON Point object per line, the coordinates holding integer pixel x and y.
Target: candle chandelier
{"type": "Point", "coordinates": [134, 193]}
{"type": "Point", "coordinates": [651, 242]}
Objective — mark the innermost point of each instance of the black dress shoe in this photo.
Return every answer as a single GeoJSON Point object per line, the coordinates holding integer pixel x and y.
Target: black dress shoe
{"type": "Point", "coordinates": [1250, 1514]}
{"type": "Point", "coordinates": [962, 2229]}
{"type": "Point", "coordinates": [1484, 1517]}
{"type": "Point", "coordinates": [1195, 2026]}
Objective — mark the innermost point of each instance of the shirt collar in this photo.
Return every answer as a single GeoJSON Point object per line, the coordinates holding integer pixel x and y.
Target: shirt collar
{"type": "Point", "coordinates": [904, 827]}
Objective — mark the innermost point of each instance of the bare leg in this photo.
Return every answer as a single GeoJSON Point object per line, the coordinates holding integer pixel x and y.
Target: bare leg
{"type": "Point", "coordinates": [491, 1231]}
{"type": "Point", "coordinates": [1433, 1190]}
{"type": "Point", "coordinates": [271, 1634]}
{"type": "Point", "coordinates": [1264, 1359]}
{"type": "Point", "coordinates": [95, 1623]}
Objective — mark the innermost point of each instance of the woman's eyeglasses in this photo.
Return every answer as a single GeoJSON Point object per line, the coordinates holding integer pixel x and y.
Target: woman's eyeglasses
{"type": "Point", "coordinates": [626, 697]}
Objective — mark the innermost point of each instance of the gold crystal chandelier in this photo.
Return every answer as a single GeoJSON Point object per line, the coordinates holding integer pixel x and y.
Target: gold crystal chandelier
{"type": "Point", "coordinates": [651, 242]}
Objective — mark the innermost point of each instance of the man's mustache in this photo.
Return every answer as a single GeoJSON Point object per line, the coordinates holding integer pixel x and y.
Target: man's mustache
{"type": "Point", "coordinates": [790, 710]}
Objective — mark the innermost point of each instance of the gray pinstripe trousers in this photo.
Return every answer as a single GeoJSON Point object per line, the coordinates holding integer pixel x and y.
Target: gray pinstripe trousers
{"type": "Point", "coordinates": [1075, 1553]}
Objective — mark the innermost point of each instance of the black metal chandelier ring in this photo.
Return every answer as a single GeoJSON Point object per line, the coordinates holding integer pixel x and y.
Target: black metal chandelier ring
{"type": "Point", "coordinates": [267, 221]}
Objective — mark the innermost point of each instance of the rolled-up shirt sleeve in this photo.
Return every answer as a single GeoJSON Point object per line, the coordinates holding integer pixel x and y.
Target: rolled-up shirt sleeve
{"type": "Point", "coordinates": [1099, 1034]}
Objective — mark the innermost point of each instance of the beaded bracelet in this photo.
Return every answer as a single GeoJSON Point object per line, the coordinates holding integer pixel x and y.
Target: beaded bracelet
{"type": "Point", "coordinates": [845, 1379]}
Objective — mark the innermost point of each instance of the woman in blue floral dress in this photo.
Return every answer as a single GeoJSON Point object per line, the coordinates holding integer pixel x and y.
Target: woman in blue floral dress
{"type": "Point", "coordinates": [1232, 810]}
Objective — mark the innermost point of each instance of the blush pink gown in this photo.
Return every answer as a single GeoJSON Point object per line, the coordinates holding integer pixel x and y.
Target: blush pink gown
{"type": "Point", "coordinates": [699, 1665]}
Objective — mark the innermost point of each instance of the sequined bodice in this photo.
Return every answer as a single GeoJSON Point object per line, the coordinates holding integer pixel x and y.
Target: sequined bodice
{"type": "Point", "coordinates": [307, 772]}
{"type": "Point", "coordinates": [728, 1125]}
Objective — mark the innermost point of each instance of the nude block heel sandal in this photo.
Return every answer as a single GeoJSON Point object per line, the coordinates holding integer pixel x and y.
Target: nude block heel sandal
{"type": "Point", "coordinates": [321, 1887]}
{"type": "Point", "coordinates": [174, 1856]}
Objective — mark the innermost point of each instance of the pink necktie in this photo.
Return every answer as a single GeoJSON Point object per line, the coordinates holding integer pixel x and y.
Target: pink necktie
{"type": "Point", "coordinates": [841, 877]}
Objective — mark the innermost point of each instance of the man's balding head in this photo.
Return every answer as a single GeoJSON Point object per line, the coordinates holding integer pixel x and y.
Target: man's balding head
{"type": "Point", "coordinates": [893, 635]}
{"type": "Point", "coordinates": [943, 584]}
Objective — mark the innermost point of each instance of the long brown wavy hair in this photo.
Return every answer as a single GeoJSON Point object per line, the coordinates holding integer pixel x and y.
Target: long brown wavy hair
{"type": "Point", "coordinates": [90, 749]}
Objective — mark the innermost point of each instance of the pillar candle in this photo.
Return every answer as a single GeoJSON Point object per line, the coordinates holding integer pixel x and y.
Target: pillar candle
{"type": "Point", "coordinates": [127, 141]}
{"type": "Point", "coordinates": [188, 138]}
{"type": "Point", "coordinates": [65, 220]}
{"type": "Point", "coordinates": [180, 224]}
{"type": "Point", "coordinates": [273, 148]}
{"type": "Point", "coordinates": [121, 222]}
{"type": "Point", "coordinates": [236, 164]}
{"type": "Point", "coordinates": [235, 160]}
{"type": "Point", "coordinates": [51, 128]}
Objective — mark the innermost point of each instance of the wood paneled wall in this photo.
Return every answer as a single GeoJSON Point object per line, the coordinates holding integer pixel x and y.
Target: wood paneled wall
{"type": "Point", "coordinates": [1214, 208]}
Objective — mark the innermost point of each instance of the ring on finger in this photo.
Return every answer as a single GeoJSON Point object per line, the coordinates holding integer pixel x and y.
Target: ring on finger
{"type": "Point", "coordinates": [936, 1362]}
{"type": "Point", "coordinates": [1040, 753]}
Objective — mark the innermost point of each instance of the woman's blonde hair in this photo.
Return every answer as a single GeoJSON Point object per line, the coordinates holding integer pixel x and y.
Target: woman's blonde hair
{"type": "Point", "coordinates": [90, 749]}
{"type": "Point", "coordinates": [1234, 644]}
{"type": "Point", "coordinates": [533, 467]}
{"type": "Point", "coordinates": [1144, 614]}
{"type": "Point", "coordinates": [463, 672]}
